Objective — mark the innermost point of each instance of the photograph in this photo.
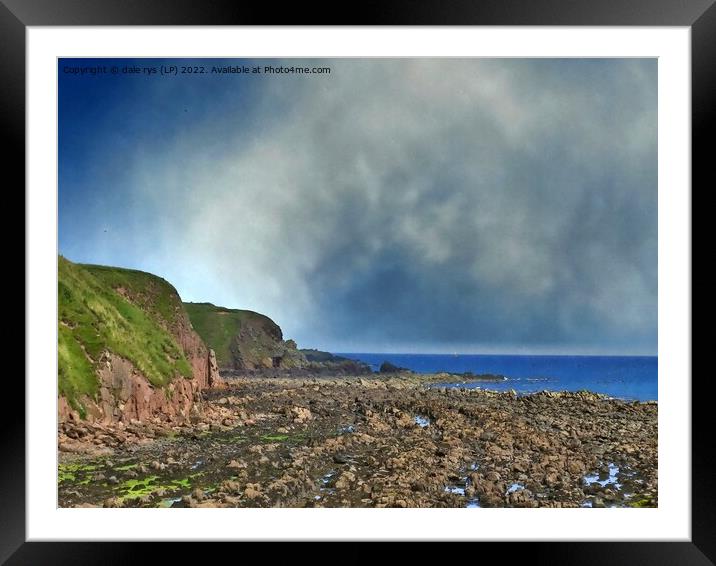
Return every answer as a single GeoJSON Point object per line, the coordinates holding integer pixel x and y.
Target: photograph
{"type": "Point", "coordinates": [365, 282]}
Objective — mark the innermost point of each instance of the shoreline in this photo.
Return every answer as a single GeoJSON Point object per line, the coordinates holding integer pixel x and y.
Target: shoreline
{"type": "Point", "coordinates": [369, 441]}
{"type": "Point", "coordinates": [433, 379]}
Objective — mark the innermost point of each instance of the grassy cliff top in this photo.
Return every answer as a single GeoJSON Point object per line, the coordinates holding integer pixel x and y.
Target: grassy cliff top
{"type": "Point", "coordinates": [218, 326]}
{"type": "Point", "coordinates": [150, 292]}
{"type": "Point", "coordinates": [122, 311]}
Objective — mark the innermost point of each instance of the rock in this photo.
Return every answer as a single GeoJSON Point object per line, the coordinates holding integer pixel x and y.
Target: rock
{"type": "Point", "coordinates": [387, 367]}
{"type": "Point", "coordinates": [491, 500]}
{"type": "Point", "coordinates": [340, 458]}
{"type": "Point", "coordinates": [551, 479]}
{"type": "Point", "coordinates": [213, 378]}
{"type": "Point", "coordinates": [576, 467]}
{"type": "Point", "coordinates": [252, 491]}
{"type": "Point", "coordinates": [158, 466]}
{"type": "Point", "coordinates": [521, 498]}
{"type": "Point", "coordinates": [345, 481]}
{"type": "Point", "coordinates": [383, 463]}
{"type": "Point", "coordinates": [300, 414]}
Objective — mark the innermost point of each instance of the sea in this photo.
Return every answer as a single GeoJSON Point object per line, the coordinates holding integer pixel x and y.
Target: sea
{"type": "Point", "coordinates": [624, 377]}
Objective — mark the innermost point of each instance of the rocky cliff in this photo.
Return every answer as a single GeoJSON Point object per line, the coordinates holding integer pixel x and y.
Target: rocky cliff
{"type": "Point", "coordinates": [244, 340]}
{"type": "Point", "coordinates": [126, 348]}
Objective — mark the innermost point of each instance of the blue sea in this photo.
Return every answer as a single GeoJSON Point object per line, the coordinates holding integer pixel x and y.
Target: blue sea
{"type": "Point", "coordinates": [624, 377]}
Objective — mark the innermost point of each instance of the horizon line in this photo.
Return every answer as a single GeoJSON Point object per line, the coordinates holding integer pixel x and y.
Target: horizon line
{"type": "Point", "coordinates": [457, 354]}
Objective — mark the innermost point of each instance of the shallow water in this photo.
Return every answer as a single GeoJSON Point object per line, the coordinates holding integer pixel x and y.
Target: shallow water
{"type": "Point", "coordinates": [590, 479]}
{"type": "Point", "coordinates": [514, 487]}
{"type": "Point", "coordinates": [625, 377]}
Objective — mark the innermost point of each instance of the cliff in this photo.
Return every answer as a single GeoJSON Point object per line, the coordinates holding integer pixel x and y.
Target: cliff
{"type": "Point", "coordinates": [242, 339]}
{"type": "Point", "coordinates": [246, 341]}
{"type": "Point", "coordinates": [325, 362]}
{"type": "Point", "coordinates": [126, 347]}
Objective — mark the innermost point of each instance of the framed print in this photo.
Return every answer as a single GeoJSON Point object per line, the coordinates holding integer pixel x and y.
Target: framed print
{"type": "Point", "coordinates": [421, 277]}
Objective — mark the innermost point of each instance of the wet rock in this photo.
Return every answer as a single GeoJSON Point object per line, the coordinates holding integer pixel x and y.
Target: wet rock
{"type": "Point", "coordinates": [387, 367]}
{"type": "Point", "coordinates": [340, 458]}
{"type": "Point", "coordinates": [345, 480]}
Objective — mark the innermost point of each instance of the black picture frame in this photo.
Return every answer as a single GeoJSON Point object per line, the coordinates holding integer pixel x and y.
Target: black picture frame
{"type": "Point", "coordinates": [699, 15]}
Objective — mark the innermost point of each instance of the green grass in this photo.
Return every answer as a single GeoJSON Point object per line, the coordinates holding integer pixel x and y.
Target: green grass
{"type": "Point", "coordinates": [93, 317]}
{"type": "Point", "coordinates": [297, 438]}
{"type": "Point", "coordinates": [151, 293]}
{"type": "Point", "coordinates": [136, 488]}
{"type": "Point", "coordinates": [68, 472]}
{"type": "Point", "coordinates": [275, 437]}
{"type": "Point", "coordinates": [219, 326]}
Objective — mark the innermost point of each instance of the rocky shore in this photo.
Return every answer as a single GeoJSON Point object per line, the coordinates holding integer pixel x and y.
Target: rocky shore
{"type": "Point", "coordinates": [368, 441]}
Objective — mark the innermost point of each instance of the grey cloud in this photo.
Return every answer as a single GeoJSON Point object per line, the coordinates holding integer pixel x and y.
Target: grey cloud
{"type": "Point", "coordinates": [435, 203]}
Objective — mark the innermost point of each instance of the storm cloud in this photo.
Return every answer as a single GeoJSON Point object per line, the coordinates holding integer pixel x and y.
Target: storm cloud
{"type": "Point", "coordinates": [419, 205]}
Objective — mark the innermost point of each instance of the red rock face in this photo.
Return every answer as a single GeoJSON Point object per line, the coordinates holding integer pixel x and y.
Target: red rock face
{"type": "Point", "coordinates": [126, 395]}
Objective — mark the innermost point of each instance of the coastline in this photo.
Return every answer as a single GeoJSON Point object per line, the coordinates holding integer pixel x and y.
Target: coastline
{"type": "Point", "coordinates": [624, 377]}
{"type": "Point", "coordinates": [384, 440]}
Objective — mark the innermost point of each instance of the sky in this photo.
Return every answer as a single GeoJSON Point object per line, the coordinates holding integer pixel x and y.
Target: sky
{"type": "Point", "coordinates": [391, 205]}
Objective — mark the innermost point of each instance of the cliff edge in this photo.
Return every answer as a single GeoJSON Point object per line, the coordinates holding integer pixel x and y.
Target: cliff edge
{"type": "Point", "coordinates": [243, 339]}
{"type": "Point", "coordinates": [126, 348]}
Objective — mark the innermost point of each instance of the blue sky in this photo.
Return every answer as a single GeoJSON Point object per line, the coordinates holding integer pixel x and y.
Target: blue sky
{"type": "Point", "coordinates": [393, 205]}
